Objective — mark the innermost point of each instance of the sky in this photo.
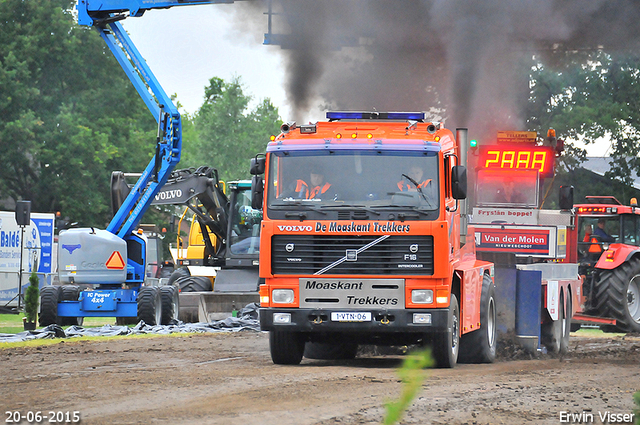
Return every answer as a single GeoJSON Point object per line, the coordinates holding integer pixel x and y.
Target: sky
{"type": "Point", "coordinates": [187, 46]}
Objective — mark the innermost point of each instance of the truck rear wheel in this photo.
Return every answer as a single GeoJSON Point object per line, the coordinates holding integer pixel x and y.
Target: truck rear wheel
{"type": "Point", "coordinates": [555, 333]}
{"type": "Point", "coordinates": [49, 297]}
{"type": "Point", "coordinates": [618, 295]}
{"type": "Point", "coordinates": [170, 304]}
{"type": "Point", "coordinates": [150, 305]}
{"type": "Point", "coordinates": [446, 345]}
{"type": "Point", "coordinates": [70, 293]}
{"type": "Point", "coordinates": [286, 347]}
{"type": "Point", "coordinates": [330, 351]}
{"type": "Point", "coordinates": [479, 346]}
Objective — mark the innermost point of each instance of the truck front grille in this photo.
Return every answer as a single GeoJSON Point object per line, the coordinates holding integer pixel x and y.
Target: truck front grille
{"type": "Point", "coordinates": [329, 254]}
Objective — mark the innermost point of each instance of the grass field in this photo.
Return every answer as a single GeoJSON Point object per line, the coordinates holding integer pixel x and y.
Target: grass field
{"type": "Point", "coordinates": [12, 323]}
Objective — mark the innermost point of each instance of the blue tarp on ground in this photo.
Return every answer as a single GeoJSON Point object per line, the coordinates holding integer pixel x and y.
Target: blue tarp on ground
{"type": "Point", "coordinates": [247, 320]}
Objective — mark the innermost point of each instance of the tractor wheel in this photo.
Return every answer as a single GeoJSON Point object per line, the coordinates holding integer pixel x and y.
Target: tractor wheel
{"type": "Point", "coordinates": [479, 346]}
{"type": "Point", "coordinates": [49, 297]}
{"type": "Point", "coordinates": [70, 293]}
{"type": "Point", "coordinates": [446, 345]}
{"type": "Point", "coordinates": [170, 304]}
{"type": "Point", "coordinates": [286, 347]}
{"type": "Point", "coordinates": [618, 295]}
{"type": "Point", "coordinates": [177, 274]}
{"type": "Point", "coordinates": [552, 332]}
{"type": "Point", "coordinates": [150, 305]}
{"type": "Point", "coordinates": [194, 284]}
{"type": "Point", "coordinates": [330, 351]}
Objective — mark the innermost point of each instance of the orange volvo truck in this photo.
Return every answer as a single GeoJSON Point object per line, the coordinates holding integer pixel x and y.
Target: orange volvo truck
{"type": "Point", "coordinates": [363, 241]}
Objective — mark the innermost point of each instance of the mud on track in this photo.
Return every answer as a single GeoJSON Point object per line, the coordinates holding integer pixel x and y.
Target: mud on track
{"type": "Point", "coordinates": [230, 379]}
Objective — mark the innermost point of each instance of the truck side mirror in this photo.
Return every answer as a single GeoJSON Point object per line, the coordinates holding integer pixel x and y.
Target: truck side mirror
{"type": "Point", "coordinates": [459, 182]}
{"type": "Point", "coordinates": [257, 165]}
{"type": "Point", "coordinates": [566, 197]}
{"type": "Point", "coordinates": [257, 192]}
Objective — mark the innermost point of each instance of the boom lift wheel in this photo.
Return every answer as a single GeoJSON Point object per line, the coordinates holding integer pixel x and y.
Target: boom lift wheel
{"type": "Point", "coordinates": [49, 297]}
{"type": "Point", "coordinates": [70, 293]}
{"type": "Point", "coordinates": [479, 346]}
{"type": "Point", "coordinates": [150, 305]}
{"type": "Point", "coordinates": [170, 304]}
{"type": "Point", "coordinates": [446, 345]}
{"type": "Point", "coordinates": [286, 347]}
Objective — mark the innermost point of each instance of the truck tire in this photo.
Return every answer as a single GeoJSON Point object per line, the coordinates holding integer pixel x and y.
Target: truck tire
{"type": "Point", "coordinates": [618, 295]}
{"type": "Point", "coordinates": [566, 325]}
{"type": "Point", "coordinates": [150, 305]}
{"type": "Point", "coordinates": [286, 347]}
{"type": "Point", "coordinates": [555, 333]}
{"type": "Point", "coordinates": [170, 304]}
{"type": "Point", "coordinates": [330, 351]}
{"type": "Point", "coordinates": [479, 346]}
{"type": "Point", "coordinates": [446, 345]}
{"type": "Point", "coordinates": [70, 293]}
{"type": "Point", "coordinates": [194, 284]}
{"type": "Point", "coordinates": [49, 297]}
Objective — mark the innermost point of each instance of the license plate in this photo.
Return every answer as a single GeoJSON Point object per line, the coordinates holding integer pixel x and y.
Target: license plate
{"type": "Point", "coordinates": [364, 316]}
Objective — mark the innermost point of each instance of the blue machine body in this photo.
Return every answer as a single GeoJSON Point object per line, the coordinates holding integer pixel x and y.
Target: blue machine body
{"type": "Point", "coordinates": [101, 303]}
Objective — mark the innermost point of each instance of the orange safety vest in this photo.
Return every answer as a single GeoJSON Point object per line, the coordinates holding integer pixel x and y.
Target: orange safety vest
{"type": "Point", "coordinates": [301, 185]}
{"type": "Point", "coordinates": [595, 247]}
{"type": "Point", "coordinates": [403, 186]}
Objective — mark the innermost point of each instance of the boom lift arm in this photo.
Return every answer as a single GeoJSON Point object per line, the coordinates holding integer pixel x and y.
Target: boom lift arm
{"type": "Point", "coordinates": [104, 16]}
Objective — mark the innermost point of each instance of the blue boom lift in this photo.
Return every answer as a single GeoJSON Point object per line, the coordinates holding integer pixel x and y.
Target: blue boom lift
{"type": "Point", "coordinates": [112, 262]}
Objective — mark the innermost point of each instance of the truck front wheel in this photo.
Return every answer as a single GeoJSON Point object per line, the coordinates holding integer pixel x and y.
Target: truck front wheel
{"type": "Point", "coordinates": [618, 295]}
{"type": "Point", "coordinates": [286, 347]}
{"type": "Point", "coordinates": [446, 345]}
{"type": "Point", "coordinates": [479, 346]}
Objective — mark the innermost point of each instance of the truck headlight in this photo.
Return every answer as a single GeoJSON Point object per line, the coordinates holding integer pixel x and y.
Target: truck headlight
{"type": "Point", "coordinates": [282, 296]}
{"type": "Point", "coordinates": [281, 318]}
{"type": "Point", "coordinates": [422, 296]}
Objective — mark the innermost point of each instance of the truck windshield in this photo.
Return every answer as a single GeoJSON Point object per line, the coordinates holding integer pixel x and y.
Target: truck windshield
{"type": "Point", "coordinates": [356, 180]}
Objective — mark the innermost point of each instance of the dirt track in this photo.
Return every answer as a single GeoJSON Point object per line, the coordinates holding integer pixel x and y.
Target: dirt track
{"type": "Point", "coordinates": [229, 379]}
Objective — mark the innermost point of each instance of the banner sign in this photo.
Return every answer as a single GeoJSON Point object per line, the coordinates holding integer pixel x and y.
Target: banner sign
{"type": "Point", "coordinates": [488, 215]}
{"type": "Point", "coordinates": [522, 240]}
{"type": "Point", "coordinates": [37, 248]}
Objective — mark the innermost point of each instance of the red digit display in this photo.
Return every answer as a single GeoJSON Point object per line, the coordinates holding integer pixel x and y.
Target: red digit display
{"type": "Point", "coordinates": [518, 158]}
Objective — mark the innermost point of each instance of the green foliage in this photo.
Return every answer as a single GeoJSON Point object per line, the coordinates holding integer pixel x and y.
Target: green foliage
{"type": "Point", "coordinates": [412, 374]}
{"type": "Point", "coordinates": [590, 96]}
{"type": "Point", "coordinates": [227, 134]}
{"type": "Point", "coordinates": [32, 298]}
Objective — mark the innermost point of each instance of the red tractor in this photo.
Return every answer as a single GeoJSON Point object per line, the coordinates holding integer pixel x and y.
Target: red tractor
{"type": "Point", "coordinates": [606, 243]}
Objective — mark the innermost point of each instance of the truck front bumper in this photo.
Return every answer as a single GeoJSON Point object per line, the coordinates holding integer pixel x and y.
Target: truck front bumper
{"type": "Point", "coordinates": [382, 321]}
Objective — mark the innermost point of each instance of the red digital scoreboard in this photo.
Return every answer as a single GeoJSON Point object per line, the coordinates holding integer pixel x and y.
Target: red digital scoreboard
{"type": "Point", "coordinates": [518, 158]}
